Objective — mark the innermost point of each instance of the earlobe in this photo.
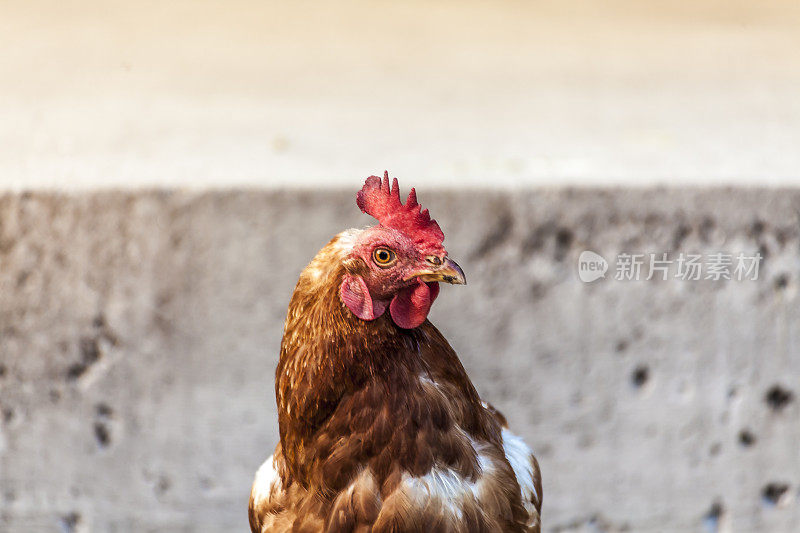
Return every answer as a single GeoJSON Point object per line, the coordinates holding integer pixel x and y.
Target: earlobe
{"type": "Point", "coordinates": [355, 295]}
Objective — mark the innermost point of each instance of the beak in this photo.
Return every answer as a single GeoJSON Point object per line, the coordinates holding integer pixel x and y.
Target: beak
{"type": "Point", "coordinates": [448, 272]}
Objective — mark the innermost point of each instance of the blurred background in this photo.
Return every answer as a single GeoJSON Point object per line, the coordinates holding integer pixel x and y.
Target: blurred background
{"type": "Point", "coordinates": [167, 169]}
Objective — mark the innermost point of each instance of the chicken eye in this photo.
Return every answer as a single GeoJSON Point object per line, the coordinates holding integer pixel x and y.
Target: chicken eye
{"type": "Point", "coordinates": [383, 257]}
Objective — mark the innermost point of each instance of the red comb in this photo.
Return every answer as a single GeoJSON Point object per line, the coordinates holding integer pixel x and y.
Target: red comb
{"type": "Point", "coordinates": [381, 201]}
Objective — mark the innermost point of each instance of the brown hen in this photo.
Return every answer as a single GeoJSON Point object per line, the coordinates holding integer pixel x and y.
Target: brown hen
{"type": "Point", "coordinates": [381, 429]}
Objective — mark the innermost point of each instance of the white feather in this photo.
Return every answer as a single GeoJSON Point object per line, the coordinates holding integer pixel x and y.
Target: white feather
{"type": "Point", "coordinates": [266, 481]}
{"type": "Point", "coordinates": [519, 456]}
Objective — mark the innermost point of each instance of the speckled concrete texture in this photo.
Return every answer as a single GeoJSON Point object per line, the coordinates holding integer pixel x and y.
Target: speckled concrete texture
{"type": "Point", "coordinates": [139, 334]}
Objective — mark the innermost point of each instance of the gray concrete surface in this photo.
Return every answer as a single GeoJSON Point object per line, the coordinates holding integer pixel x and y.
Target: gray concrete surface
{"type": "Point", "coordinates": [139, 333]}
{"type": "Point", "coordinates": [209, 93]}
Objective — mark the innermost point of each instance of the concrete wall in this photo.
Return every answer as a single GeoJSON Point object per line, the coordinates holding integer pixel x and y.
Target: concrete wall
{"type": "Point", "coordinates": [139, 334]}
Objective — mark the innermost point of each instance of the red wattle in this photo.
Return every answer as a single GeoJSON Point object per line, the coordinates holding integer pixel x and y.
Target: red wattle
{"type": "Point", "coordinates": [410, 306]}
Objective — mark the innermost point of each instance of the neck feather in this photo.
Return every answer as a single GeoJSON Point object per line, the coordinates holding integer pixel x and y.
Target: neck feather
{"type": "Point", "coordinates": [326, 351]}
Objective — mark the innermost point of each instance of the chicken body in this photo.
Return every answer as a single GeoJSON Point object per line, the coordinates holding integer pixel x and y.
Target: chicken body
{"type": "Point", "coordinates": [381, 429]}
